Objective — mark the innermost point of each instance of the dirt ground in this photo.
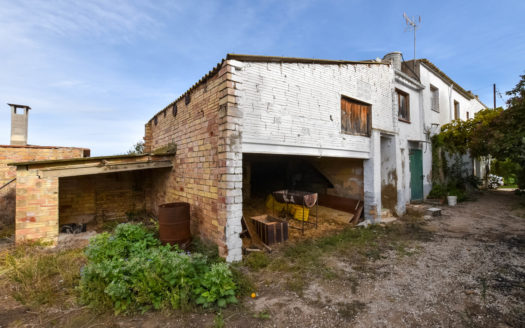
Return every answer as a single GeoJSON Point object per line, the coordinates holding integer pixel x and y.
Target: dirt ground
{"type": "Point", "coordinates": [470, 272]}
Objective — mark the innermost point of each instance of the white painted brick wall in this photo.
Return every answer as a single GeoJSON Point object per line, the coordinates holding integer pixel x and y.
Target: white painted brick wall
{"type": "Point", "coordinates": [299, 105]}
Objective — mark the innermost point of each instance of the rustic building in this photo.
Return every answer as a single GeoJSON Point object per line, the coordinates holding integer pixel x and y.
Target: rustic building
{"type": "Point", "coordinates": [256, 124]}
{"type": "Point", "coordinates": [20, 151]}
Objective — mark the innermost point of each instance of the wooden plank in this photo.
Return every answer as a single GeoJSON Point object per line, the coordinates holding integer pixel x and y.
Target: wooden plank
{"type": "Point", "coordinates": [253, 234]}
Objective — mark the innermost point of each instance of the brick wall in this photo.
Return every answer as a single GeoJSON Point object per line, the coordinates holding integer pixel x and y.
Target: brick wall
{"type": "Point", "coordinates": [10, 154]}
{"type": "Point", "coordinates": [37, 207]}
{"type": "Point", "coordinates": [207, 169]}
{"type": "Point", "coordinates": [105, 196]}
{"type": "Point", "coordinates": [295, 108]}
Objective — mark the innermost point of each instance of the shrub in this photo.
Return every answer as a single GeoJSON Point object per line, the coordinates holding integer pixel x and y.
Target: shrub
{"type": "Point", "coordinates": [438, 191]}
{"type": "Point", "coordinates": [130, 271]}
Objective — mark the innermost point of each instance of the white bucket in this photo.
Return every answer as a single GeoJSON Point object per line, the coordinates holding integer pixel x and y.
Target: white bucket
{"type": "Point", "coordinates": [452, 200]}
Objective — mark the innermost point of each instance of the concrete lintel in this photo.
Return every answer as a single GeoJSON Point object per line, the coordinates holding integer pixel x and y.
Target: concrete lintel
{"type": "Point", "coordinates": [276, 149]}
{"type": "Point", "coordinates": [89, 169]}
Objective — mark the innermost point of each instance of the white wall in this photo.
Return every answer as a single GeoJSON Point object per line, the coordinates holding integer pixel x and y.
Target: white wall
{"type": "Point", "coordinates": [295, 108]}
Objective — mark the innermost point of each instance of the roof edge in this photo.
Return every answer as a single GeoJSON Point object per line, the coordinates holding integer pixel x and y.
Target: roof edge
{"type": "Point", "coordinates": [280, 59]}
{"type": "Point", "coordinates": [88, 159]}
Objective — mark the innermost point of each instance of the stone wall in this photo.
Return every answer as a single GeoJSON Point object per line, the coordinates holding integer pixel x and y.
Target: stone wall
{"type": "Point", "coordinates": [10, 154]}
{"type": "Point", "coordinates": [207, 170]}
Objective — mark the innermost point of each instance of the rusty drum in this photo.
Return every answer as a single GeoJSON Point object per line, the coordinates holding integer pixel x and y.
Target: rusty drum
{"type": "Point", "coordinates": [174, 224]}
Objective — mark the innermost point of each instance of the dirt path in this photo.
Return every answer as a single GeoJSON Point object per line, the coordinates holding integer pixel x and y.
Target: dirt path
{"type": "Point", "coordinates": [471, 273]}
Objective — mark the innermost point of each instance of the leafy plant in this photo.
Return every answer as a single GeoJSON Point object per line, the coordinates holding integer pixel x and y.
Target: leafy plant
{"type": "Point", "coordinates": [130, 271]}
{"type": "Point", "coordinates": [216, 287]}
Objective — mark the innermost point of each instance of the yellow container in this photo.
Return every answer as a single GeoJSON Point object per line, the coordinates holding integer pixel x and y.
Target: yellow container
{"type": "Point", "coordinates": [294, 210]}
{"type": "Point", "coordinates": [297, 212]}
{"type": "Point", "coordinates": [272, 204]}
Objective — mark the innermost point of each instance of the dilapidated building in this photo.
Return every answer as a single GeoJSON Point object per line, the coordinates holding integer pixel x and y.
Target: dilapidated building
{"type": "Point", "coordinates": [255, 124]}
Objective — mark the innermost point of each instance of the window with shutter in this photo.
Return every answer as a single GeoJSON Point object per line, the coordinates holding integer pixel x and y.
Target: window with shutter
{"type": "Point", "coordinates": [355, 117]}
{"type": "Point", "coordinates": [403, 103]}
{"type": "Point", "coordinates": [434, 98]}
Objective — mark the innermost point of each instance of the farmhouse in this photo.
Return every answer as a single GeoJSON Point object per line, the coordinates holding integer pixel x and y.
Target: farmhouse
{"type": "Point", "coordinates": [256, 124]}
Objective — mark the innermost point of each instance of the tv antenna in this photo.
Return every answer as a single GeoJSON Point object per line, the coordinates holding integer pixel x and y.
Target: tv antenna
{"type": "Point", "coordinates": [413, 25]}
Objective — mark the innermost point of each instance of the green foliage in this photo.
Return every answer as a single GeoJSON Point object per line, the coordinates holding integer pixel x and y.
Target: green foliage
{"type": "Point", "coordinates": [257, 260]}
{"type": "Point", "coordinates": [217, 287]}
{"type": "Point", "coordinates": [438, 191]}
{"type": "Point", "coordinates": [506, 169]}
{"type": "Point", "coordinates": [130, 271]}
{"type": "Point", "coordinates": [137, 148]}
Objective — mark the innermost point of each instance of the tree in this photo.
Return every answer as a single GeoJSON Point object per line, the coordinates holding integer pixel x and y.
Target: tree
{"type": "Point", "coordinates": [499, 133]}
{"type": "Point", "coordinates": [137, 148]}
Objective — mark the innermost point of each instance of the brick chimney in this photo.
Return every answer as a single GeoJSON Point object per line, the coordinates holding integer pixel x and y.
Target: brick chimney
{"type": "Point", "coordinates": [19, 116]}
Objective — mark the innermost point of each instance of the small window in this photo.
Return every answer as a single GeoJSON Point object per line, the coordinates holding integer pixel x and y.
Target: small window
{"type": "Point", "coordinates": [468, 116]}
{"type": "Point", "coordinates": [434, 98]}
{"type": "Point", "coordinates": [456, 110]}
{"type": "Point", "coordinates": [355, 117]}
{"type": "Point", "coordinates": [403, 104]}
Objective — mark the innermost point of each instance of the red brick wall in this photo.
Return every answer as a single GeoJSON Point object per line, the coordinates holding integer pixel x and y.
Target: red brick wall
{"type": "Point", "coordinates": [10, 154]}
{"type": "Point", "coordinates": [205, 170]}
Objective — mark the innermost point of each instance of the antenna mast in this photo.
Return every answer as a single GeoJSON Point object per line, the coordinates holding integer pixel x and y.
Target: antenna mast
{"type": "Point", "coordinates": [412, 25]}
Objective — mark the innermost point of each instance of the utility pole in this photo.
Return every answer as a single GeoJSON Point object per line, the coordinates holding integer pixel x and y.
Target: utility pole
{"type": "Point", "coordinates": [494, 95]}
{"type": "Point", "coordinates": [412, 25]}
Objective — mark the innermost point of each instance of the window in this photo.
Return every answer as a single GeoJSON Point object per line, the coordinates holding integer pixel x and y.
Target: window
{"type": "Point", "coordinates": [403, 103]}
{"type": "Point", "coordinates": [355, 117]}
{"type": "Point", "coordinates": [468, 115]}
{"type": "Point", "coordinates": [456, 110]}
{"type": "Point", "coordinates": [434, 98]}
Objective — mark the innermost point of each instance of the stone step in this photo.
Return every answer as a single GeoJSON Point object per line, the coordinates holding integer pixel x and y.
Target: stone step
{"type": "Point", "coordinates": [388, 219]}
{"type": "Point", "coordinates": [385, 212]}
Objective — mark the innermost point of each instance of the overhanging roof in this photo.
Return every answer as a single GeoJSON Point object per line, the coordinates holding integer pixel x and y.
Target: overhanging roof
{"type": "Point", "coordinates": [98, 165]}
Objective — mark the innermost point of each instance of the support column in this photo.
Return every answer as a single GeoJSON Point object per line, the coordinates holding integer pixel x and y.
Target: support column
{"type": "Point", "coordinates": [36, 207]}
{"type": "Point", "coordinates": [230, 158]}
{"type": "Point", "coordinates": [401, 200]}
{"type": "Point", "coordinates": [372, 179]}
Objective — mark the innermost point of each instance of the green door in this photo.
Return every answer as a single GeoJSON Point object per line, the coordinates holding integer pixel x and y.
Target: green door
{"type": "Point", "coordinates": [416, 174]}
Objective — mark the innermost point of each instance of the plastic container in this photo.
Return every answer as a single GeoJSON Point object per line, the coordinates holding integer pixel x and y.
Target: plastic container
{"type": "Point", "coordinates": [452, 200]}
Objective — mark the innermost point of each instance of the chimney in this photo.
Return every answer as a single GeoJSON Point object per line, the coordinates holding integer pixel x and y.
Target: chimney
{"type": "Point", "coordinates": [395, 58]}
{"type": "Point", "coordinates": [19, 115]}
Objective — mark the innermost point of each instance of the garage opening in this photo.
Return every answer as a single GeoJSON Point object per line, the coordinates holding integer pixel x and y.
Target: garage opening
{"type": "Point", "coordinates": [337, 181]}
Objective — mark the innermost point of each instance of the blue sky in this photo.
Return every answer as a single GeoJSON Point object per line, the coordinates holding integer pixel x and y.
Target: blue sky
{"type": "Point", "coordinates": [95, 71]}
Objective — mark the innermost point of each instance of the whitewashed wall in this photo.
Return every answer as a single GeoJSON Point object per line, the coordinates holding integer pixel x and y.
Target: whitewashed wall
{"type": "Point", "coordinates": [295, 108]}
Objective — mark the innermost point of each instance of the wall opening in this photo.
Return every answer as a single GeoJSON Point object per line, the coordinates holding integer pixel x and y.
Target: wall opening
{"type": "Point", "coordinates": [93, 200]}
{"type": "Point", "coordinates": [264, 173]}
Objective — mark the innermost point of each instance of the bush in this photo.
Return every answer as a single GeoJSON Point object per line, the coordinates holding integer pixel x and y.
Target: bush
{"type": "Point", "coordinates": [438, 191]}
{"type": "Point", "coordinates": [130, 271]}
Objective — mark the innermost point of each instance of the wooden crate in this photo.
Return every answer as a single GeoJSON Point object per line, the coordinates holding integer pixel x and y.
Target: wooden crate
{"type": "Point", "coordinates": [271, 230]}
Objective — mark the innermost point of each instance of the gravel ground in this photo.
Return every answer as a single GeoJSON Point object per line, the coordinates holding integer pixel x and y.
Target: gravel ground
{"type": "Point", "coordinates": [471, 273]}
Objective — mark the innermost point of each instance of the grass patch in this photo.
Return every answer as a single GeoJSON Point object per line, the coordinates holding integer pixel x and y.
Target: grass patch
{"type": "Point", "coordinates": [36, 276]}
{"type": "Point", "coordinates": [299, 262]}
{"type": "Point", "coordinates": [257, 260]}
{"type": "Point", "coordinates": [7, 230]}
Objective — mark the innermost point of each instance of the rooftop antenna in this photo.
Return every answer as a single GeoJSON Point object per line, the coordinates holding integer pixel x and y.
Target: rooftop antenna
{"type": "Point", "coordinates": [412, 25]}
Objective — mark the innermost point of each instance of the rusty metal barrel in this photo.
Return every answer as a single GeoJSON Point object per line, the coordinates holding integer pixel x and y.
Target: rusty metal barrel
{"type": "Point", "coordinates": [174, 224]}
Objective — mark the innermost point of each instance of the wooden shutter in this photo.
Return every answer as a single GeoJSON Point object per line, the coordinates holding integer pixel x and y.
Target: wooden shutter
{"type": "Point", "coordinates": [354, 117]}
